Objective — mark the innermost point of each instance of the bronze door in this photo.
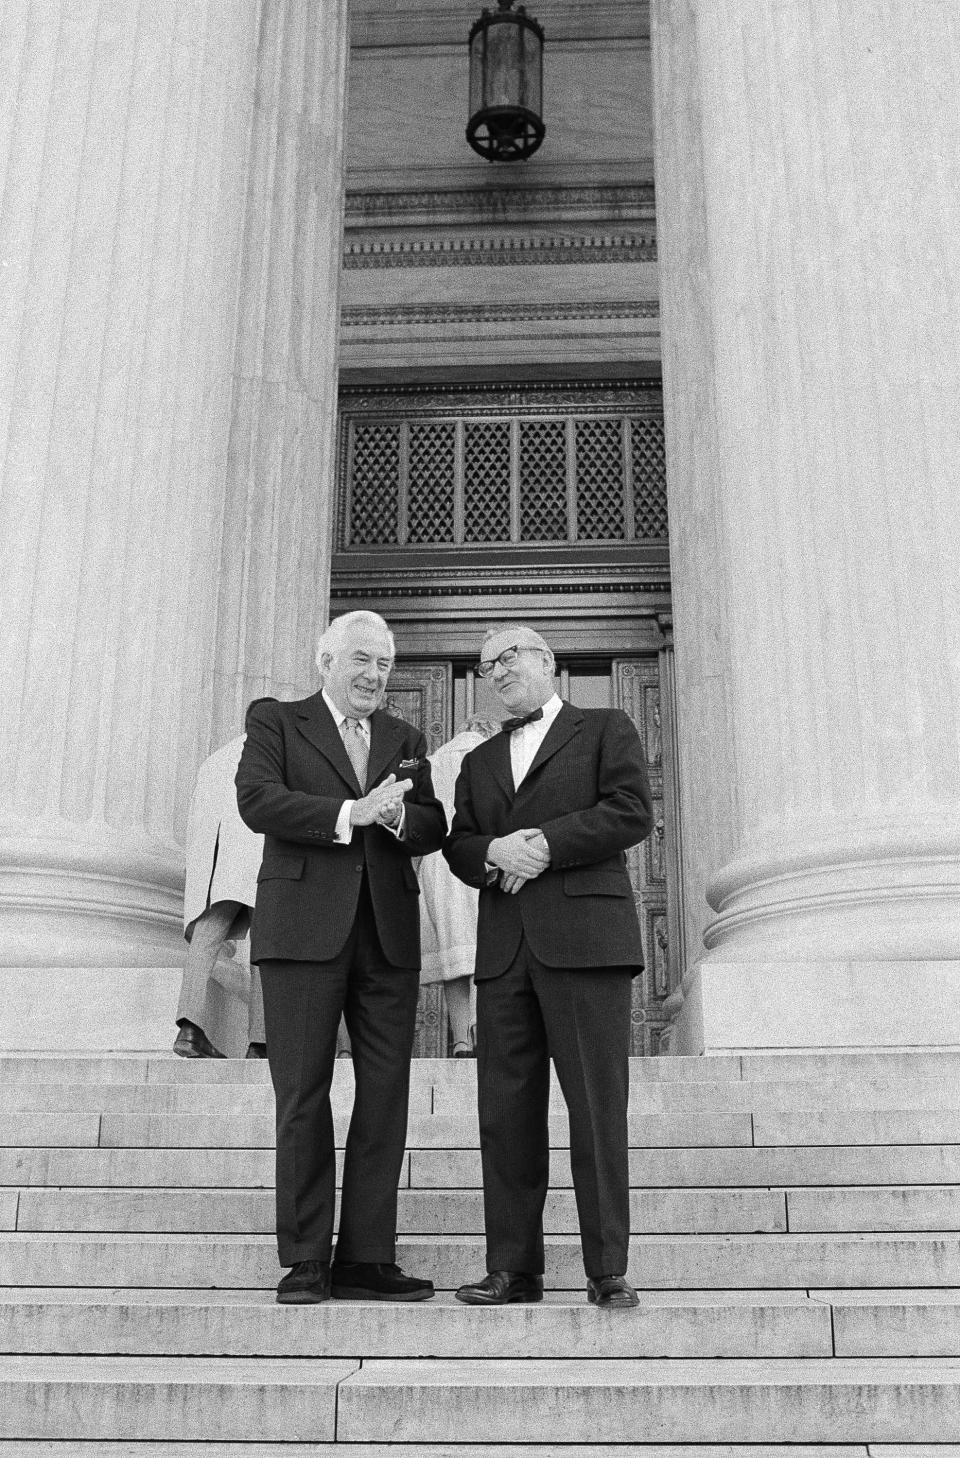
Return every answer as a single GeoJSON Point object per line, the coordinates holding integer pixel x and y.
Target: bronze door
{"type": "Point", "coordinates": [438, 696]}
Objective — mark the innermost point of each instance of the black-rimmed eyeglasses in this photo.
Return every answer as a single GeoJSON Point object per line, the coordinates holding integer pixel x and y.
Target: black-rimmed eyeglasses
{"type": "Point", "coordinates": [506, 659]}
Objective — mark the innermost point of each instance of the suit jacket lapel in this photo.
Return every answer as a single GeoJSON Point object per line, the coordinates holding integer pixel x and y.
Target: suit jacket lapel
{"type": "Point", "coordinates": [386, 736]}
{"type": "Point", "coordinates": [317, 724]}
{"type": "Point", "coordinates": [561, 731]}
{"type": "Point", "coordinates": [500, 766]}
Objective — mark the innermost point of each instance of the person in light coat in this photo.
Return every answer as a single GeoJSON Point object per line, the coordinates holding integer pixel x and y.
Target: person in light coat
{"type": "Point", "coordinates": [448, 908]}
{"type": "Point", "coordinates": [223, 858]}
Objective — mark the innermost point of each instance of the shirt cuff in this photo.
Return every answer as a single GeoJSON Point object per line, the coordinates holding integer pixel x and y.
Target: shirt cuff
{"type": "Point", "coordinates": [343, 831]}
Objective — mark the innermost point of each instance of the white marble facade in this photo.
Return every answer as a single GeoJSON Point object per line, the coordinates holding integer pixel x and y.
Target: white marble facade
{"type": "Point", "coordinates": [174, 267]}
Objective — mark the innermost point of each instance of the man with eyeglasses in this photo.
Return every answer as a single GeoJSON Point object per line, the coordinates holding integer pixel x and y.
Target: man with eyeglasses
{"type": "Point", "coordinates": [544, 814]}
{"type": "Point", "coordinates": [342, 793]}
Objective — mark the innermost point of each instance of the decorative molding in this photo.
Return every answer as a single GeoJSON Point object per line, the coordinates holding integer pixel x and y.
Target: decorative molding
{"type": "Point", "coordinates": [419, 23]}
{"type": "Point", "coordinates": [483, 397]}
{"type": "Point", "coordinates": [632, 202]}
{"type": "Point", "coordinates": [362, 316]}
{"type": "Point", "coordinates": [465, 587]}
{"type": "Point", "coordinates": [497, 251]}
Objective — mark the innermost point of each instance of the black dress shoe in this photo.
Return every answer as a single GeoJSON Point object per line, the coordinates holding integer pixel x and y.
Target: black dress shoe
{"type": "Point", "coordinates": [192, 1042]}
{"type": "Point", "coordinates": [376, 1281]}
{"type": "Point", "coordinates": [501, 1288]}
{"type": "Point", "coordinates": [256, 1050]}
{"type": "Point", "coordinates": [611, 1291]}
{"type": "Point", "coordinates": [306, 1284]}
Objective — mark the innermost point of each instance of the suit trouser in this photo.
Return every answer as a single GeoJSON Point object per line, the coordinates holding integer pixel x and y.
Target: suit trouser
{"type": "Point", "coordinates": [580, 1018]}
{"type": "Point", "coordinates": [303, 1002]}
{"type": "Point", "coordinates": [210, 930]}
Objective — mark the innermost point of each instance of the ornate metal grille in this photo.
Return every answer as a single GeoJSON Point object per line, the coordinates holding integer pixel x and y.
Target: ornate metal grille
{"type": "Point", "coordinates": [649, 478]}
{"type": "Point", "coordinates": [486, 481]}
{"type": "Point", "coordinates": [600, 503]}
{"type": "Point", "coordinates": [431, 483]}
{"type": "Point", "coordinates": [375, 472]}
{"type": "Point", "coordinates": [543, 481]}
{"type": "Point", "coordinates": [451, 478]}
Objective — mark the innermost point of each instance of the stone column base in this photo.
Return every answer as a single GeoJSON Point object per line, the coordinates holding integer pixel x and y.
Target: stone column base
{"type": "Point", "coordinates": [88, 1009]}
{"type": "Point", "coordinates": [750, 1007]}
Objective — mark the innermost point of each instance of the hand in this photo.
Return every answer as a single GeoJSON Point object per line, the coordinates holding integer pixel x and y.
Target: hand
{"type": "Point", "coordinates": [523, 853]}
{"type": "Point", "coordinates": [381, 805]}
{"type": "Point", "coordinates": [512, 884]}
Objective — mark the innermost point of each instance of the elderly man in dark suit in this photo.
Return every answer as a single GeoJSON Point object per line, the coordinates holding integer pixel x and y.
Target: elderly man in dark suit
{"type": "Point", "coordinates": [544, 814]}
{"type": "Point", "coordinates": [342, 793]}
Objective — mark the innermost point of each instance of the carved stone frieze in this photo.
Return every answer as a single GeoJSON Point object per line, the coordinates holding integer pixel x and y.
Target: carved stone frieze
{"type": "Point", "coordinates": [627, 202]}
{"type": "Point", "coordinates": [568, 397]}
{"type": "Point", "coordinates": [420, 252]}
{"type": "Point", "coordinates": [421, 589]}
{"type": "Point", "coordinates": [378, 316]}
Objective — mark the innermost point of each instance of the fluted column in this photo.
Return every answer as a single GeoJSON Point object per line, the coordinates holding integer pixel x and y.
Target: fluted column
{"type": "Point", "coordinates": [808, 199]}
{"type": "Point", "coordinates": [143, 148]}
{"type": "Point", "coordinates": [280, 485]}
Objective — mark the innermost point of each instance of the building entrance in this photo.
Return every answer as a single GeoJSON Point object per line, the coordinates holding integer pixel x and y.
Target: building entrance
{"type": "Point", "coordinates": [462, 506]}
{"type": "Point", "coordinates": [440, 696]}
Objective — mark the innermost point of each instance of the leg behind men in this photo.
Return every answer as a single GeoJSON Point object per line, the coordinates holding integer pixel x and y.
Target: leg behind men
{"type": "Point", "coordinates": [210, 931]}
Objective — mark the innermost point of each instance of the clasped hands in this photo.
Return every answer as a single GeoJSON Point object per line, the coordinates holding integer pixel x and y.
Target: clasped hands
{"type": "Point", "coordinates": [521, 856]}
{"type": "Point", "coordinates": [382, 805]}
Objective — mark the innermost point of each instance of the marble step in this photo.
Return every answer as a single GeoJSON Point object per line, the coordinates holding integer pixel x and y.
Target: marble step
{"type": "Point", "coordinates": [125, 1131]}
{"type": "Point", "coordinates": [894, 1322]}
{"type": "Point", "coordinates": [448, 1212]}
{"type": "Point", "coordinates": [278, 1399]}
{"type": "Point", "coordinates": [441, 1131]}
{"type": "Point", "coordinates": [131, 1068]}
{"type": "Point", "coordinates": [789, 1095]}
{"type": "Point", "coordinates": [815, 1401]}
{"type": "Point", "coordinates": [895, 1207]}
{"type": "Point", "coordinates": [905, 1164]}
{"type": "Point", "coordinates": [253, 1449]}
{"type": "Point", "coordinates": [657, 1262]}
{"type": "Point", "coordinates": [250, 1324]}
{"type": "Point", "coordinates": [868, 1323]}
{"type": "Point", "coordinates": [452, 1212]}
{"type": "Point", "coordinates": [446, 1131]}
{"type": "Point", "coordinates": [386, 1400]}
{"type": "Point", "coordinates": [894, 1065]}
{"type": "Point", "coordinates": [460, 1097]}
{"type": "Point", "coordinates": [814, 1165]}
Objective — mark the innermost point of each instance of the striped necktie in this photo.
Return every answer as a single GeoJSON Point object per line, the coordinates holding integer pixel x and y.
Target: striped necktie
{"type": "Point", "coordinates": [356, 745]}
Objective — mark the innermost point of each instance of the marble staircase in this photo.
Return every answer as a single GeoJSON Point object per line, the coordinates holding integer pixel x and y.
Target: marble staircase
{"type": "Point", "coordinates": [795, 1243]}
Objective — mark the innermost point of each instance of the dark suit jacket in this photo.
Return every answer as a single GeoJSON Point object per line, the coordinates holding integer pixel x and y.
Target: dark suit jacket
{"type": "Point", "coordinates": [587, 790]}
{"type": "Point", "coordinates": [294, 776]}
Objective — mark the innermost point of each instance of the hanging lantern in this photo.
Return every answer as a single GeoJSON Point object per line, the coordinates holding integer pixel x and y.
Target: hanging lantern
{"type": "Point", "coordinates": [506, 84]}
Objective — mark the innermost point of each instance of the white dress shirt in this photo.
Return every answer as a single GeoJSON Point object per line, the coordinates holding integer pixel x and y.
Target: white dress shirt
{"type": "Point", "coordinates": [525, 742]}
{"type": "Point", "coordinates": [343, 832]}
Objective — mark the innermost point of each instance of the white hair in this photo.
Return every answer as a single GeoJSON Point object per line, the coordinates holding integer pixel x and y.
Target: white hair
{"type": "Point", "coordinates": [335, 634]}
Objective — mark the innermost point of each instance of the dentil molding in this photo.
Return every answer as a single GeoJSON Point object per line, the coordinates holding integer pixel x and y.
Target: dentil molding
{"type": "Point", "coordinates": [362, 316]}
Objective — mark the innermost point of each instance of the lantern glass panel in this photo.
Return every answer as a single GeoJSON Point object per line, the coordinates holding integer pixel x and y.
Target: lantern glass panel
{"type": "Point", "coordinates": [477, 48]}
{"type": "Point", "coordinates": [532, 71]}
{"type": "Point", "coordinates": [504, 65]}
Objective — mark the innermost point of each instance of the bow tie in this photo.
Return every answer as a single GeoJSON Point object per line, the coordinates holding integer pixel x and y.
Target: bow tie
{"type": "Point", "coordinates": [509, 725]}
